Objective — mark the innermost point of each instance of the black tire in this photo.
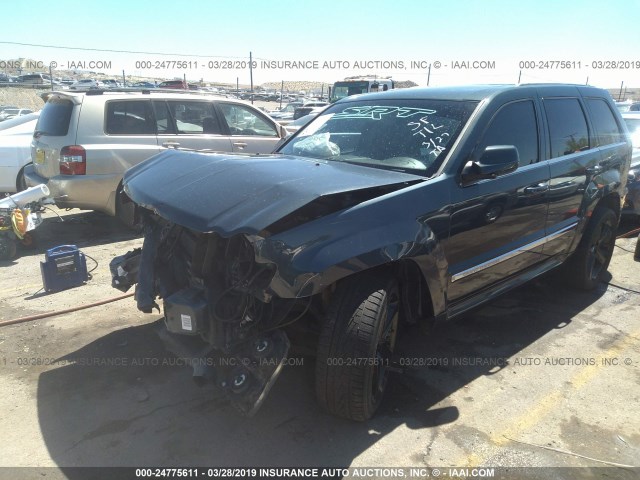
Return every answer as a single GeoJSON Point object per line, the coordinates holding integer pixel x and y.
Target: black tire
{"type": "Point", "coordinates": [588, 264]}
{"type": "Point", "coordinates": [21, 183]}
{"type": "Point", "coordinates": [126, 213]}
{"type": "Point", "coordinates": [30, 241]}
{"type": "Point", "coordinates": [8, 248]}
{"type": "Point", "coordinates": [357, 339]}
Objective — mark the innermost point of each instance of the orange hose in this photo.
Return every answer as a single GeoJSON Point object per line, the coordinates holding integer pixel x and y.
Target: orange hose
{"type": "Point", "coordinates": [60, 312]}
{"type": "Point", "coordinates": [630, 234]}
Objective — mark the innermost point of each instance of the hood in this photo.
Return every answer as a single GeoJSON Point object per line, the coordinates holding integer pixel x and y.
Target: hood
{"type": "Point", "coordinates": [231, 194]}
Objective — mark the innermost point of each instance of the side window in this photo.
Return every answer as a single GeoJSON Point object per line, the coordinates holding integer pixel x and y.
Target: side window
{"type": "Point", "coordinates": [567, 126]}
{"type": "Point", "coordinates": [242, 121]}
{"type": "Point", "coordinates": [193, 117]}
{"type": "Point", "coordinates": [130, 118]}
{"type": "Point", "coordinates": [515, 124]}
{"type": "Point", "coordinates": [604, 123]}
{"type": "Point", "coordinates": [164, 122]}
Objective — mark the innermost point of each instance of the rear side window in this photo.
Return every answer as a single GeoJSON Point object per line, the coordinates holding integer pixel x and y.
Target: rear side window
{"type": "Point", "coordinates": [568, 129]}
{"type": "Point", "coordinates": [515, 124]}
{"type": "Point", "coordinates": [604, 123]}
{"type": "Point", "coordinates": [130, 118]}
{"type": "Point", "coordinates": [55, 117]}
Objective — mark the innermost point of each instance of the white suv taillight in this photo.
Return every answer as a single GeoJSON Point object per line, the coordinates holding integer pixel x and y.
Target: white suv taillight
{"type": "Point", "coordinates": [73, 160]}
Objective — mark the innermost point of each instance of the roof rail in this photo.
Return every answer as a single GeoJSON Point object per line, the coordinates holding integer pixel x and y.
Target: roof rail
{"type": "Point", "coordinates": [100, 91]}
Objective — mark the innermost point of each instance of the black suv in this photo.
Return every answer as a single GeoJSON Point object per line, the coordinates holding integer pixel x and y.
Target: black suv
{"type": "Point", "coordinates": [405, 206]}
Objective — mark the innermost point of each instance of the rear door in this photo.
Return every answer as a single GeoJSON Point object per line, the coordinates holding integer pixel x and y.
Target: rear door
{"type": "Point", "coordinates": [117, 135]}
{"type": "Point", "coordinates": [574, 162]}
{"type": "Point", "coordinates": [249, 130]}
{"type": "Point", "coordinates": [191, 124]}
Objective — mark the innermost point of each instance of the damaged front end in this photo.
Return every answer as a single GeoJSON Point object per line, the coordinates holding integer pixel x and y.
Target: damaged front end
{"type": "Point", "coordinates": [212, 288]}
{"type": "Point", "coordinates": [236, 249]}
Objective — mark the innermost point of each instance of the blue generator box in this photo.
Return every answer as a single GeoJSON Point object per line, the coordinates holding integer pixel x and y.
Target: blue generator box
{"type": "Point", "coordinates": [64, 267]}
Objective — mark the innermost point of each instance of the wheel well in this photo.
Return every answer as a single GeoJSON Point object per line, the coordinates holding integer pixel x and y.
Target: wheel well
{"type": "Point", "coordinates": [20, 172]}
{"type": "Point", "coordinates": [417, 306]}
{"type": "Point", "coordinates": [612, 202]}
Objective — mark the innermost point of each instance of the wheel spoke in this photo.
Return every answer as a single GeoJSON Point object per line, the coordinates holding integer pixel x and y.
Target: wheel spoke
{"type": "Point", "coordinates": [601, 257]}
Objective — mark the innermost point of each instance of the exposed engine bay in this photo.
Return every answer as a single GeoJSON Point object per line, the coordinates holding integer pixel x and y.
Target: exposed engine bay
{"type": "Point", "coordinates": [238, 248]}
{"type": "Point", "coordinates": [213, 288]}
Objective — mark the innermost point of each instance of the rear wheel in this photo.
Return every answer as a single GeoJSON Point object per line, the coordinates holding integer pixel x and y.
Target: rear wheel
{"type": "Point", "coordinates": [29, 241]}
{"type": "Point", "coordinates": [21, 183]}
{"type": "Point", "coordinates": [358, 337]}
{"type": "Point", "coordinates": [586, 268]}
{"type": "Point", "coordinates": [8, 248]}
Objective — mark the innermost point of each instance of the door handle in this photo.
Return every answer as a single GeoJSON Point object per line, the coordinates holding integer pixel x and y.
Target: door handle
{"type": "Point", "coordinates": [240, 144]}
{"type": "Point", "coordinates": [171, 144]}
{"type": "Point", "coordinates": [536, 189]}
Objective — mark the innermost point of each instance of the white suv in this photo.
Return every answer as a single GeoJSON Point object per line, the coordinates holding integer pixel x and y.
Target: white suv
{"type": "Point", "coordinates": [84, 142]}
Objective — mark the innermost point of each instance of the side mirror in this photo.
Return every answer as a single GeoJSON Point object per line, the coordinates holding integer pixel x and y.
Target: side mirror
{"type": "Point", "coordinates": [495, 160]}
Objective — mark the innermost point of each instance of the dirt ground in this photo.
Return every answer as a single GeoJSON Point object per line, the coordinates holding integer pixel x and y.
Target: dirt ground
{"type": "Point", "coordinates": [542, 377]}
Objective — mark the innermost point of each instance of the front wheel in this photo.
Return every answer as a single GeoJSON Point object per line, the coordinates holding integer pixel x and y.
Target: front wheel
{"type": "Point", "coordinates": [126, 212]}
{"type": "Point", "coordinates": [586, 267]}
{"type": "Point", "coordinates": [355, 346]}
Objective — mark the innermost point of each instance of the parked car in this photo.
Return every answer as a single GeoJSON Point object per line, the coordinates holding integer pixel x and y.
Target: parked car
{"type": "Point", "coordinates": [286, 112]}
{"type": "Point", "coordinates": [3, 107]}
{"type": "Point", "coordinates": [84, 142]}
{"type": "Point", "coordinates": [404, 206]}
{"type": "Point", "coordinates": [8, 113]}
{"type": "Point", "coordinates": [111, 83]}
{"type": "Point", "coordinates": [631, 207]}
{"type": "Point", "coordinates": [306, 109]}
{"type": "Point", "coordinates": [144, 85]}
{"type": "Point", "coordinates": [179, 84]}
{"type": "Point", "coordinates": [85, 84]}
{"type": "Point", "coordinates": [35, 79]}
{"type": "Point", "coordinates": [15, 151]}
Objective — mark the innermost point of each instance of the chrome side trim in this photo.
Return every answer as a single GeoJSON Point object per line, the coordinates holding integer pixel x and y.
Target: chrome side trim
{"type": "Point", "coordinates": [513, 253]}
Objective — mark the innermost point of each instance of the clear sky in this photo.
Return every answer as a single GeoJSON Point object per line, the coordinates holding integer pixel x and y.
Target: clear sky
{"type": "Point", "coordinates": [387, 35]}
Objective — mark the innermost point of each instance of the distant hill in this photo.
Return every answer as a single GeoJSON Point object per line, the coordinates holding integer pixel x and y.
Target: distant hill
{"type": "Point", "coordinates": [628, 93]}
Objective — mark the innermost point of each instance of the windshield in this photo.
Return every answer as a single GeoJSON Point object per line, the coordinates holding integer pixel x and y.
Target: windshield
{"type": "Point", "coordinates": [411, 136]}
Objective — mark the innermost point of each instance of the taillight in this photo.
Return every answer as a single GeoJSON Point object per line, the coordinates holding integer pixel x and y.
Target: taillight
{"type": "Point", "coordinates": [73, 160]}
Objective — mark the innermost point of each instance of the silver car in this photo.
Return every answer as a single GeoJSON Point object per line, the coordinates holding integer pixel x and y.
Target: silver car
{"type": "Point", "coordinates": [84, 142]}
